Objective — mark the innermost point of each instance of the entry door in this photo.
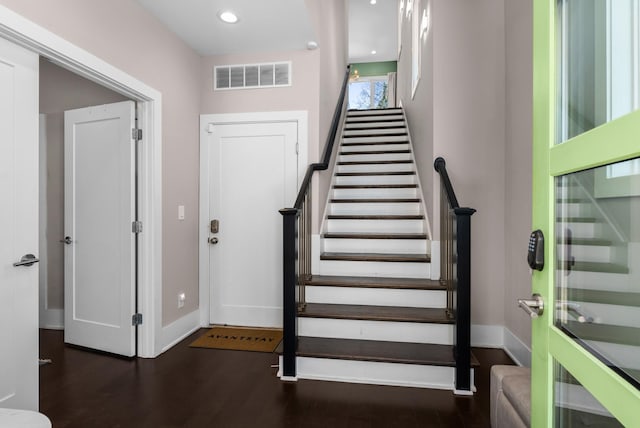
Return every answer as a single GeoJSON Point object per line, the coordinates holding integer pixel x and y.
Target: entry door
{"type": "Point", "coordinates": [100, 243]}
{"type": "Point", "coordinates": [586, 344]}
{"type": "Point", "coordinates": [18, 227]}
{"type": "Point", "coordinates": [253, 174]}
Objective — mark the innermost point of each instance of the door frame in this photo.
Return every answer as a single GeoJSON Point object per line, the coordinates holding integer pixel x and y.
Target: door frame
{"type": "Point", "coordinates": [25, 33]}
{"type": "Point", "coordinates": [298, 116]}
{"type": "Point", "coordinates": [551, 160]}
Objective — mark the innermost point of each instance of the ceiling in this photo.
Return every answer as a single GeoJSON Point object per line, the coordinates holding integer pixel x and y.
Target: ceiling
{"type": "Point", "coordinates": [373, 27]}
{"type": "Point", "coordinates": [275, 25]}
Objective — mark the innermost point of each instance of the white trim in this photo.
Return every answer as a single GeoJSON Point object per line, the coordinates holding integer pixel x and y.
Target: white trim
{"type": "Point", "coordinates": [52, 319]}
{"type": "Point", "coordinates": [299, 116]}
{"type": "Point", "coordinates": [26, 33]}
{"type": "Point", "coordinates": [42, 206]}
{"type": "Point", "coordinates": [487, 336]}
{"type": "Point", "coordinates": [180, 329]}
{"type": "Point", "coordinates": [519, 352]}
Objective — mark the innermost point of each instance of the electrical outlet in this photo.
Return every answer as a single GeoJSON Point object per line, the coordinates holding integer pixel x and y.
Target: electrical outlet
{"type": "Point", "coordinates": [181, 298]}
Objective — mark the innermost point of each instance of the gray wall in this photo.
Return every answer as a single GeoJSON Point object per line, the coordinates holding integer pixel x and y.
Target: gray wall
{"type": "Point", "coordinates": [473, 107]}
{"type": "Point", "coordinates": [519, 138]}
{"type": "Point", "coordinates": [61, 90]}
{"type": "Point", "coordinates": [122, 33]}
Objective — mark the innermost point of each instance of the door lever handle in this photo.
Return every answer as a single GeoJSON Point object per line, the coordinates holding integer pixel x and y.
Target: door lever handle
{"type": "Point", "coordinates": [67, 240]}
{"type": "Point", "coordinates": [534, 306]}
{"type": "Point", "coordinates": [27, 260]}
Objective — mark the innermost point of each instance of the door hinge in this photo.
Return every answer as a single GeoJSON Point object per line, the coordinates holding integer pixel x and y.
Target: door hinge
{"type": "Point", "coordinates": [136, 227]}
{"type": "Point", "coordinates": [210, 128]}
{"type": "Point", "coordinates": [136, 134]}
{"type": "Point", "coordinates": [136, 319]}
{"type": "Point", "coordinates": [297, 148]}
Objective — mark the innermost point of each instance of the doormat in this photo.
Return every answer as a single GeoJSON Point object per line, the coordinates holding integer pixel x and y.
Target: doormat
{"type": "Point", "coordinates": [240, 339]}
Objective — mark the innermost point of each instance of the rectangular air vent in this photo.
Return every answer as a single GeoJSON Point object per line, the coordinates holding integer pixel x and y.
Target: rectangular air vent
{"type": "Point", "coordinates": [251, 76]}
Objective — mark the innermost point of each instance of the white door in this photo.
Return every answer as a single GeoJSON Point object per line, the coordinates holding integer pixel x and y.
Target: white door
{"type": "Point", "coordinates": [99, 211]}
{"type": "Point", "coordinates": [18, 227]}
{"type": "Point", "coordinates": [253, 174]}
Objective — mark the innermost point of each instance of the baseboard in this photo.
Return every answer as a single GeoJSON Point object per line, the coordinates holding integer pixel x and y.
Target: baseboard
{"type": "Point", "coordinates": [519, 352]}
{"type": "Point", "coordinates": [487, 336]}
{"type": "Point", "coordinates": [175, 332]}
{"type": "Point", "coordinates": [52, 319]}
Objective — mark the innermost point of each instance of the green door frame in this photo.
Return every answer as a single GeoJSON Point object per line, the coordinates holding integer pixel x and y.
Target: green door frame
{"type": "Point", "coordinates": [621, 142]}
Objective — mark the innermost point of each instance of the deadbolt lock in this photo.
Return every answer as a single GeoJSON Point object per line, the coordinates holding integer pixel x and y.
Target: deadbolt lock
{"type": "Point", "coordinates": [214, 225]}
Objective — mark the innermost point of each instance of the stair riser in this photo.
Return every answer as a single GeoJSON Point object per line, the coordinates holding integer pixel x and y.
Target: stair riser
{"type": "Point", "coordinates": [371, 113]}
{"type": "Point", "coordinates": [407, 332]}
{"type": "Point", "coordinates": [395, 124]}
{"type": "Point", "coordinates": [610, 314]}
{"type": "Point", "coordinates": [376, 157]}
{"type": "Point", "coordinates": [595, 281]}
{"type": "Point", "coordinates": [381, 193]}
{"type": "Point", "coordinates": [376, 167]}
{"type": "Point", "coordinates": [626, 355]}
{"type": "Point", "coordinates": [376, 226]}
{"type": "Point", "coordinates": [578, 210]}
{"type": "Point", "coordinates": [381, 139]}
{"type": "Point", "coordinates": [382, 246]}
{"type": "Point", "coordinates": [373, 119]}
{"type": "Point", "coordinates": [376, 179]}
{"type": "Point", "coordinates": [371, 148]}
{"type": "Point", "coordinates": [587, 253]}
{"type": "Point", "coordinates": [580, 230]}
{"type": "Point", "coordinates": [364, 208]}
{"type": "Point", "coordinates": [366, 132]}
{"type": "Point", "coordinates": [376, 296]}
{"type": "Point", "coordinates": [383, 269]}
{"type": "Point", "coordinates": [407, 375]}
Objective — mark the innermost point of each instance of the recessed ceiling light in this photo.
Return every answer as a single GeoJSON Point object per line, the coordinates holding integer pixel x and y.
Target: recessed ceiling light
{"type": "Point", "coordinates": [373, 52]}
{"type": "Point", "coordinates": [228, 16]}
{"type": "Point", "coordinates": [373, 2]}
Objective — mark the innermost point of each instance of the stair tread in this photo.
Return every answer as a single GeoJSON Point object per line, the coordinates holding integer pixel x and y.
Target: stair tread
{"type": "Point", "coordinates": [598, 267]}
{"type": "Point", "coordinates": [605, 333]}
{"type": "Point", "coordinates": [375, 186]}
{"type": "Point", "coordinates": [374, 200]}
{"type": "Point", "coordinates": [374, 217]}
{"type": "Point", "coordinates": [375, 282]}
{"type": "Point", "coordinates": [373, 173]}
{"type": "Point", "coordinates": [371, 143]}
{"type": "Point", "coordinates": [375, 313]}
{"type": "Point", "coordinates": [376, 257]}
{"type": "Point", "coordinates": [379, 351]}
{"type": "Point", "coordinates": [585, 241]}
{"type": "Point", "coordinates": [577, 219]}
{"type": "Point", "coordinates": [376, 152]}
{"type": "Point", "coordinates": [366, 235]}
{"type": "Point", "coordinates": [605, 297]}
{"type": "Point", "coordinates": [390, 134]}
{"type": "Point", "coordinates": [376, 162]}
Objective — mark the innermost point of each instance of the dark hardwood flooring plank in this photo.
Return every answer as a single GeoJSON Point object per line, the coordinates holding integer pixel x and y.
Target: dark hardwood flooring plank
{"type": "Point", "coordinates": [196, 388]}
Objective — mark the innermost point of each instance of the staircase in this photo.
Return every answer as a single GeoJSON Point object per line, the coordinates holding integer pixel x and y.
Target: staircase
{"type": "Point", "coordinates": [371, 313]}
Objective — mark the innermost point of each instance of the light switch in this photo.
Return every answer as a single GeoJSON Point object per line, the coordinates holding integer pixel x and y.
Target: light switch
{"type": "Point", "coordinates": [180, 212]}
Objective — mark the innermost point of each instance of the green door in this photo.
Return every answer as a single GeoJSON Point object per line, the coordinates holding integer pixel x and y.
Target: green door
{"type": "Point", "coordinates": [586, 200]}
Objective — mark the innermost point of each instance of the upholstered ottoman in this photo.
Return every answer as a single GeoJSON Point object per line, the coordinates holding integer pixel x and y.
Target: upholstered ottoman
{"type": "Point", "coordinates": [510, 397]}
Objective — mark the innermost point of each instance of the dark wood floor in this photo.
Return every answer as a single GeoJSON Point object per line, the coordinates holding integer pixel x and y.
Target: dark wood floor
{"type": "Point", "coordinates": [195, 387]}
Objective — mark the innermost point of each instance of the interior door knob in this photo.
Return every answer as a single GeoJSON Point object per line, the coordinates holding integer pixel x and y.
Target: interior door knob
{"type": "Point", "coordinates": [534, 306]}
{"type": "Point", "coordinates": [27, 260]}
{"type": "Point", "coordinates": [67, 240]}
{"type": "Point", "coordinates": [213, 240]}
